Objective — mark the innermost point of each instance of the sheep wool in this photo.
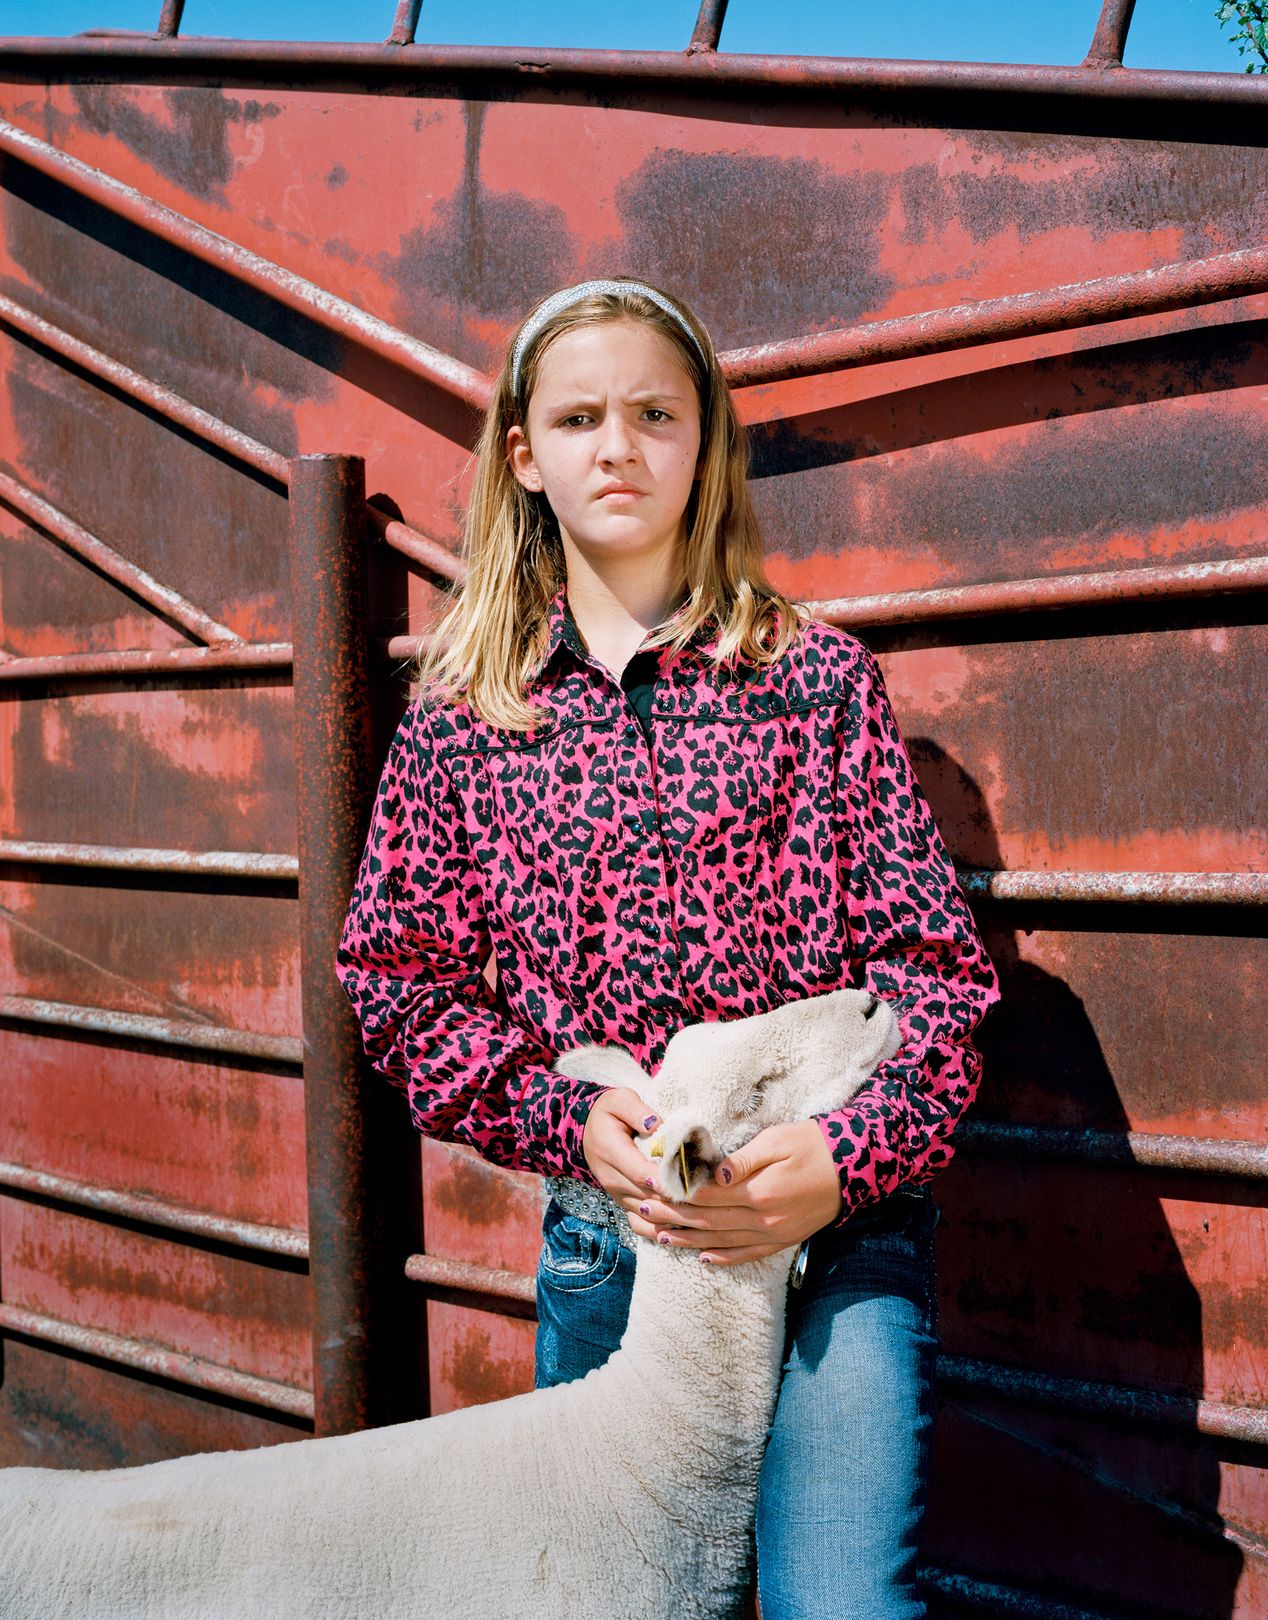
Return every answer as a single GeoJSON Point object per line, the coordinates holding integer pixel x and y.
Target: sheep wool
{"type": "Point", "coordinates": [627, 1493]}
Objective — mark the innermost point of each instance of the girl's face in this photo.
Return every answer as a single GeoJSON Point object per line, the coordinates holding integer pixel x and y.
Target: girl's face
{"type": "Point", "coordinates": [613, 440]}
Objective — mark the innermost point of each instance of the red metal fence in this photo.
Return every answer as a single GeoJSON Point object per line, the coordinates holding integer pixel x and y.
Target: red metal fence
{"type": "Point", "coordinates": [1017, 445]}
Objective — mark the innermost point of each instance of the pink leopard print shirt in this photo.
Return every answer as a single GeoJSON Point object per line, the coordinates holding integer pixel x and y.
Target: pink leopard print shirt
{"type": "Point", "coordinates": [773, 844]}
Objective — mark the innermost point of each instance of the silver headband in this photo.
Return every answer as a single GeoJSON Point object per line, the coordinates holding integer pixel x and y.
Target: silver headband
{"type": "Point", "coordinates": [574, 295]}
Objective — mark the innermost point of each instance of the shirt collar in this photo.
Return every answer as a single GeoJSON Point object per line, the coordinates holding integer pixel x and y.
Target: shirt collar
{"type": "Point", "coordinates": [562, 632]}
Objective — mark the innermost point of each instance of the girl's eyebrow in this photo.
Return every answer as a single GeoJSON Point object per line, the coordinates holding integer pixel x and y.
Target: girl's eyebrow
{"type": "Point", "coordinates": [645, 397]}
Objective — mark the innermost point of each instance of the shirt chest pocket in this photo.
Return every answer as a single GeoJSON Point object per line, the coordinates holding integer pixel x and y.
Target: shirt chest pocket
{"type": "Point", "coordinates": [542, 822]}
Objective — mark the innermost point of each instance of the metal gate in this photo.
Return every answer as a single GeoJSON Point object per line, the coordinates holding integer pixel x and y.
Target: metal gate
{"type": "Point", "coordinates": [249, 295]}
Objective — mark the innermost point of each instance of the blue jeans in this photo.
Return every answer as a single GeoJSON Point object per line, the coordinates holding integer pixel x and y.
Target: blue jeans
{"type": "Point", "coordinates": [842, 1491]}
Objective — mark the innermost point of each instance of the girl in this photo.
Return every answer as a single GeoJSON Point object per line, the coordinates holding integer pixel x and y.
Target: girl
{"type": "Point", "coordinates": [660, 793]}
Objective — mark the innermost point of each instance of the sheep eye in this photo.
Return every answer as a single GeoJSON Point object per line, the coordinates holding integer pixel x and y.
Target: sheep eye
{"type": "Point", "coordinates": [752, 1102]}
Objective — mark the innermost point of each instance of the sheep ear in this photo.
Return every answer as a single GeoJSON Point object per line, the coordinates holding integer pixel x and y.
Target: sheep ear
{"type": "Point", "coordinates": [605, 1065]}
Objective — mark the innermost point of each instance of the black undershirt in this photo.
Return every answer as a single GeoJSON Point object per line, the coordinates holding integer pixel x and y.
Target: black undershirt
{"type": "Point", "coordinates": [637, 678]}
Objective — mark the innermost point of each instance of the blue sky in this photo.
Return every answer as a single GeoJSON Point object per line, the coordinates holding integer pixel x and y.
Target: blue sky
{"type": "Point", "coordinates": [1164, 33]}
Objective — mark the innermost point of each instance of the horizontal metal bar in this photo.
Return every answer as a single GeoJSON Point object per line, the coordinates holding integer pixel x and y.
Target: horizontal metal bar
{"type": "Point", "coordinates": [164, 401]}
{"type": "Point", "coordinates": [1118, 888]}
{"type": "Point", "coordinates": [157, 1212]}
{"type": "Point", "coordinates": [106, 560]}
{"type": "Point", "coordinates": [430, 554]}
{"type": "Point", "coordinates": [1204, 1155]}
{"type": "Point", "coordinates": [1248, 1425]}
{"type": "Point", "coordinates": [209, 247]}
{"type": "Point", "coordinates": [463, 1277]}
{"type": "Point", "coordinates": [145, 1356]}
{"type": "Point", "coordinates": [165, 1031]}
{"type": "Point", "coordinates": [547, 68]}
{"type": "Point", "coordinates": [156, 663]}
{"type": "Point", "coordinates": [1120, 586]}
{"type": "Point", "coordinates": [395, 649]}
{"type": "Point", "coordinates": [1182, 285]}
{"type": "Point", "coordinates": [1004, 1602]}
{"type": "Point", "coordinates": [202, 424]}
{"type": "Point", "coordinates": [193, 863]}
{"type": "Point", "coordinates": [1053, 1451]}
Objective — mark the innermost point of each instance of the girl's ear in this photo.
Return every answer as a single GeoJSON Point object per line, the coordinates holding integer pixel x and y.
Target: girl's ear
{"type": "Point", "coordinates": [519, 455]}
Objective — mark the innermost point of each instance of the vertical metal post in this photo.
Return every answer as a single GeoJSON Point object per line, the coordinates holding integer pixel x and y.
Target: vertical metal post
{"type": "Point", "coordinates": [333, 749]}
{"type": "Point", "coordinates": [1110, 38]}
{"type": "Point", "coordinates": [708, 29]}
{"type": "Point", "coordinates": [404, 23]}
{"type": "Point", "coordinates": [170, 19]}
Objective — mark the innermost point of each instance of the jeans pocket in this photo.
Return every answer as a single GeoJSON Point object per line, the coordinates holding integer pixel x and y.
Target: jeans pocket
{"type": "Point", "coordinates": [576, 1253]}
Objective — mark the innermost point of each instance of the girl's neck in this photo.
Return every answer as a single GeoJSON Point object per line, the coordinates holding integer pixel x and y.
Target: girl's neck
{"type": "Point", "coordinates": [613, 617]}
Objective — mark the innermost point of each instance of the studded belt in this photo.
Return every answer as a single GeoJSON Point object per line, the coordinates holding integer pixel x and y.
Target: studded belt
{"type": "Point", "coordinates": [591, 1204]}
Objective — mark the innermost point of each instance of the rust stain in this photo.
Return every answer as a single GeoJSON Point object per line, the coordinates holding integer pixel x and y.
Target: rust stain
{"type": "Point", "coordinates": [182, 135]}
{"type": "Point", "coordinates": [473, 1369]}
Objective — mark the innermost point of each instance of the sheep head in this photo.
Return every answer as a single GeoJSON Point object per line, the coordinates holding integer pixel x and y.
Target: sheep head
{"type": "Point", "coordinates": [720, 1083]}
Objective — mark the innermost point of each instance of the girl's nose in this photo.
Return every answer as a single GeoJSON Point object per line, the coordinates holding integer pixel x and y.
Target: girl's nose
{"type": "Point", "coordinates": [616, 441]}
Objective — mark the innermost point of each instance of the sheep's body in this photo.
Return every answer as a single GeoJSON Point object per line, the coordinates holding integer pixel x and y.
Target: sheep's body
{"type": "Point", "coordinates": [618, 1496]}
{"type": "Point", "coordinates": [627, 1493]}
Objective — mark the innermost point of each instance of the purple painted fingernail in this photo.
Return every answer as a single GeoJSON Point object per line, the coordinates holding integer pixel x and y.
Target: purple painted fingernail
{"type": "Point", "coordinates": [644, 1209]}
{"type": "Point", "coordinates": [706, 1259]}
{"type": "Point", "coordinates": [663, 1238]}
{"type": "Point", "coordinates": [649, 1122]}
{"type": "Point", "coordinates": [649, 1184]}
{"type": "Point", "coordinates": [726, 1174]}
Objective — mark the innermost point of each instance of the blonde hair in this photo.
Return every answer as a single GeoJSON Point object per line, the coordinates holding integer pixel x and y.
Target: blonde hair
{"type": "Point", "coordinates": [488, 644]}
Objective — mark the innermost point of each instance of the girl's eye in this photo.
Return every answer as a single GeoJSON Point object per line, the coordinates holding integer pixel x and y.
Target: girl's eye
{"type": "Point", "coordinates": [572, 421]}
{"type": "Point", "coordinates": [655, 410]}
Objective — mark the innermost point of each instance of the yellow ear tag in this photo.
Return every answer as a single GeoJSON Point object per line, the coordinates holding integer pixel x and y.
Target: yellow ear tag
{"type": "Point", "coordinates": [656, 1150]}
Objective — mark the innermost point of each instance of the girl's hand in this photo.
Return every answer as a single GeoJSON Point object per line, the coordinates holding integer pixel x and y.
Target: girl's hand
{"type": "Point", "coordinates": [614, 1120]}
{"type": "Point", "coordinates": [784, 1186]}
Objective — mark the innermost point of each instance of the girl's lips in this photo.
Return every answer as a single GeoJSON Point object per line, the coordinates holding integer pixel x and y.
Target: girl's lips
{"type": "Point", "coordinates": [621, 495]}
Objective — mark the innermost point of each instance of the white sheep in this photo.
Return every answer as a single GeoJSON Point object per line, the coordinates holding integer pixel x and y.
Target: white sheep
{"type": "Point", "coordinates": [627, 1493]}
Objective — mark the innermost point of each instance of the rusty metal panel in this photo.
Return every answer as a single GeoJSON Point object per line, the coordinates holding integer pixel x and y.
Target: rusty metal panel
{"type": "Point", "coordinates": [1103, 1321]}
{"type": "Point", "coordinates": [489, 1217]}
{"type": "Point", "coordinates": [73, 1411]}
{"type": "Point", "coordinates": [174, 1126]}
{"type": "Point", "coordinates": [228, 1309]}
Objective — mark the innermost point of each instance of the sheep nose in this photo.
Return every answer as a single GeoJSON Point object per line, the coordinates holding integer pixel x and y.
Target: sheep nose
{"type": "Point", "coordinates": [873, 1002]}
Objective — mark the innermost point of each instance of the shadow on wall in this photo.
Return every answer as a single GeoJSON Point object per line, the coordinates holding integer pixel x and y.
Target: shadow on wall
{"type": "Point", "coordinates": [1072, 1271]}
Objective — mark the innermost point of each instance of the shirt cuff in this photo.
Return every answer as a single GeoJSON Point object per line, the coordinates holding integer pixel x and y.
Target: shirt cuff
{"type": "Point", "coordinates": [551, 1121]}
